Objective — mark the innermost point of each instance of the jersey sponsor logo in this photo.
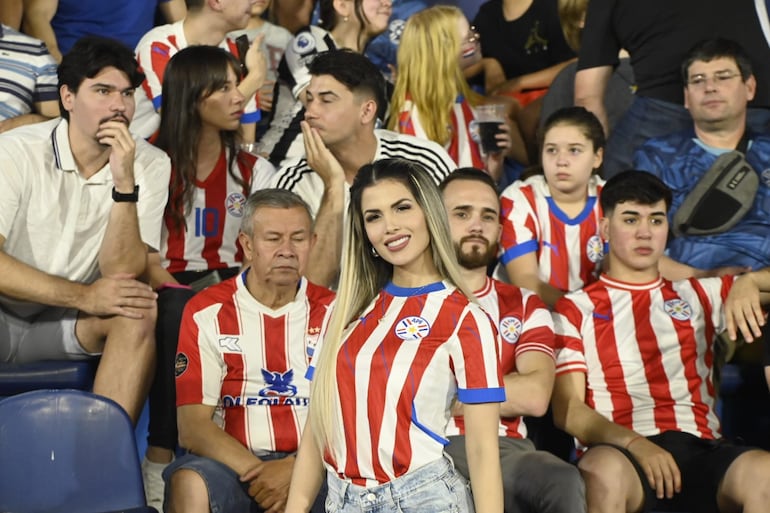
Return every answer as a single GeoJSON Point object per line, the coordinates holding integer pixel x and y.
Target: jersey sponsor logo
{"type": "Point", "coordinates": [230, 401]}
{"type": "Point", "coordinates": [230, 343]}
{"type": "Point", "coordinates": [234, 204]}
{"type": "Point", "coordinates": [180, 364]}
{"type": "Point", "coordinates": [510, 329]}
{"type": "Point", "coordinates": [412, 328]}
{"type": "Point", "coordinates": [595, 249]}
{"type": "Point", "coordinates": [395, 29]}
{"type": "Point", "coordinates": [303, 44]}
{"type": "Point", "coordinates": [678, 309]}
{"type": "Point", "coordinates": [278, 383]}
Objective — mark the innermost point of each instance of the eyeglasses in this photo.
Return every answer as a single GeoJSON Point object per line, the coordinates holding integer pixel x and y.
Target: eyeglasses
{"type": "Point", "coordinates": [700, 80]}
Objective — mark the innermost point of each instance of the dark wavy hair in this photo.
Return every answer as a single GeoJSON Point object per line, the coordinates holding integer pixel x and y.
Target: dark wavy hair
{"type": "Point", "coordinates": [191, 76]}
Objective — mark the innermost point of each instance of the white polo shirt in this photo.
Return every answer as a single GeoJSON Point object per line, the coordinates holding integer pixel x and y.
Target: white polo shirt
{"type": "Point", "coordinates": [52, 218]}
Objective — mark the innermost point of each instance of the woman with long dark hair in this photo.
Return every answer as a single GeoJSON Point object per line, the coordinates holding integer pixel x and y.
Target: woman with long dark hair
{"type": "Point", "coordinates": [210, 181]}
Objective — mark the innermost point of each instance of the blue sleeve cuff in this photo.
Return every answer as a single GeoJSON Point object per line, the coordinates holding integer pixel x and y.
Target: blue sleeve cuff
{"type": "Point", "coordinates": [516, 251]}
{"type": "Point", "coordinates": [251, 117]}
{"type": "Point", "coordinates": [481, 395]}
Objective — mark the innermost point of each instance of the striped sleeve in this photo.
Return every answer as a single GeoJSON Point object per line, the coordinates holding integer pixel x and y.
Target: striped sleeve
{"type": "Point", "coordinates": [520, 229]}
{"type": "Point", "coordinates": [429, 154]}
{"type": "Point", "coordinates": [196, 357]}
{"type": "Point", "coordinates": [568, 339]}
{"type": "Point", "coordinates": [475, 360]}
{"type": "Point", "coordinates": [537, 333]}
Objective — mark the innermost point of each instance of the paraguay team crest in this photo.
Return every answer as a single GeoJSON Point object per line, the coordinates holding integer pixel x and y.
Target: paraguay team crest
{"type": "Point", "coordinates": [595, 249]}
{"type": "Point", "coordinates": [412, 328]}
{"type": "Point", "coordinates": [234, 204]}
{"type": "Point", "coordinates": [678, 309]}
{"type": "Point", "coordinates": [304, 43]}
{"type": "Point", "coordinates": [510, 329]}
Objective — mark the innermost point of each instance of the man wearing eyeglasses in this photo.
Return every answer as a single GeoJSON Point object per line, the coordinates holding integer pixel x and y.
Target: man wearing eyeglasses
{"type": "Point", "coordinates": [719, 83]}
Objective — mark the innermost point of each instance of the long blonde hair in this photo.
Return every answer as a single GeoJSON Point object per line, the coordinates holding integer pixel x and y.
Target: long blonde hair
{"type": "Point", "coordinates": [429, 70]}
{"type": "Point", "coordinates": [364, 275]}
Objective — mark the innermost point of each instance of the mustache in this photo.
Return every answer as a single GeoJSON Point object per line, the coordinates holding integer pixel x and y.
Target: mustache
{"type": "Point", "coordinates": [474, 238]}
{"type": "Point", "coordinates": [117, 117]}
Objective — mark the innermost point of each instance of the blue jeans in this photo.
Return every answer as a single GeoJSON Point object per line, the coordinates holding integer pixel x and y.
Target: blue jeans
{"type": "Point", "coordinates": [227, 494]}
{"type": "Point", "coordinates": [434, 488]}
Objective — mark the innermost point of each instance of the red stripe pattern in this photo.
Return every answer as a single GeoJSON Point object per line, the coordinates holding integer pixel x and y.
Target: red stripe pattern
{"type": "Point", "coordinates": [249, 361]}
{"type": "Point", "coordinates": [569, 250]}
{"type": "Point", "coordinates": [210, 238]}
{"type": "Point", "coordinates": [461, 146]}
{"type": "Point", "coordinates": [397, 370]}
{"type": "Point", "coordinates": [524, 324]}
{"type": "Point", "coordinates": [646, 350]}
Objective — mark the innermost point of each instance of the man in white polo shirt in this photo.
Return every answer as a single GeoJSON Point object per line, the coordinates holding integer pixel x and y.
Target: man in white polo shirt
{"type": "Point", "coordinates": [81, 200]}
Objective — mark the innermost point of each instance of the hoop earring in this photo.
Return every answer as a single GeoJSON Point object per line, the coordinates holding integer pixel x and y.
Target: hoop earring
{"type": "Point", "coordinates": [374, 252]}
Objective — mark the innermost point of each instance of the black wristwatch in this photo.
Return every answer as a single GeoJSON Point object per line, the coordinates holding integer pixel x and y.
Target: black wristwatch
{"type": "Point", "coordinates": [131, 197]}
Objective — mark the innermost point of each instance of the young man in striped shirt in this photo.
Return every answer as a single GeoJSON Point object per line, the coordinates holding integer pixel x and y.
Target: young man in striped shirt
{"type": "Point", "coordinates": [633, 371]}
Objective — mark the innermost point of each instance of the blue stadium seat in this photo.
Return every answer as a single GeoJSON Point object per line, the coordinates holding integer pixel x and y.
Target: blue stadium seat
{"type": "Point", "coordinates": [68, 451]}
{"type": "Point", "coordinates": [17, 378]}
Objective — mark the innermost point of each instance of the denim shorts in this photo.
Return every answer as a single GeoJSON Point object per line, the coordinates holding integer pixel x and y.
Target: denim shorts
{"type": "Point", "coordinates": [226, 491]}
{"type": "Point", "coordinates": [433, 488]}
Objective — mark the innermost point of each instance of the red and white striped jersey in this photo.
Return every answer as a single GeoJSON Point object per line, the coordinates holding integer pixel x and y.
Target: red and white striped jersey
{"type": "Point", "coordinates": [461, 147]}
{"type": "Point", "coordinates": [398, 370]}
{"type": "Point", "coordinates": [569, 250]}
{"type": "Point", "coordinates": [210, 240]}
{"type": "Point", "coordinates": [646, 350]}
{"type": "Point", "coordinates": [249, 361]}
{"type": "Point", "coordinates": [524, 324]}
{"type": "Point", "coordinates": [153, 52]}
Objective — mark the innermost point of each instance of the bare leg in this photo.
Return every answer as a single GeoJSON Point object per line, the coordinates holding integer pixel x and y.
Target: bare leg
{"type": "Point", "coordinates": [10, 13]}
{"type": "Point", "coordinates": [612, 484]}
{"type": "Point", "coordinates": [746, 485]}
{"type": "Point", "coordinates": [128, 357]}
{"type": "Point", "coordinates": [188, 493]}
{"type": "Point", "coordinates": [528, 120]}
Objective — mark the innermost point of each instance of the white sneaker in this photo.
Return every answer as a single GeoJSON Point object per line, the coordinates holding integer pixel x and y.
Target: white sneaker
{"type": "Point", "coordinates": [154, 487]}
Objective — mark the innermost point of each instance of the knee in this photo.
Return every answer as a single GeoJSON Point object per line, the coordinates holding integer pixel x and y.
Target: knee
{"type": "Point", "coordinates": [141, 330]}
{"type": "Point", "coordinates": [187, 492]}
{"type": "Point", "coordinates": [747, 481]}
{"type": "Point", "coordinates": [606, 467]}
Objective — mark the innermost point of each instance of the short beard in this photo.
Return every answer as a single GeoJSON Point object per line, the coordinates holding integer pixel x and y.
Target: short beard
{"type": "Point", "coordinates": [477, 257]}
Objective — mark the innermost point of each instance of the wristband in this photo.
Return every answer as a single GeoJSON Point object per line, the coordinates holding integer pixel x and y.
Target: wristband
{"type": "Point", "coordinates": [119, 197]}
{"type": "Point", "coordinates": [634, 439]}
{"type": "Point", "coordinates": [169, 285]}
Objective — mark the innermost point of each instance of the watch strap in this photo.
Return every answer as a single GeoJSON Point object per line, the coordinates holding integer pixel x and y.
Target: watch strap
{"type": "Point", "coordinates": [131, 197]}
